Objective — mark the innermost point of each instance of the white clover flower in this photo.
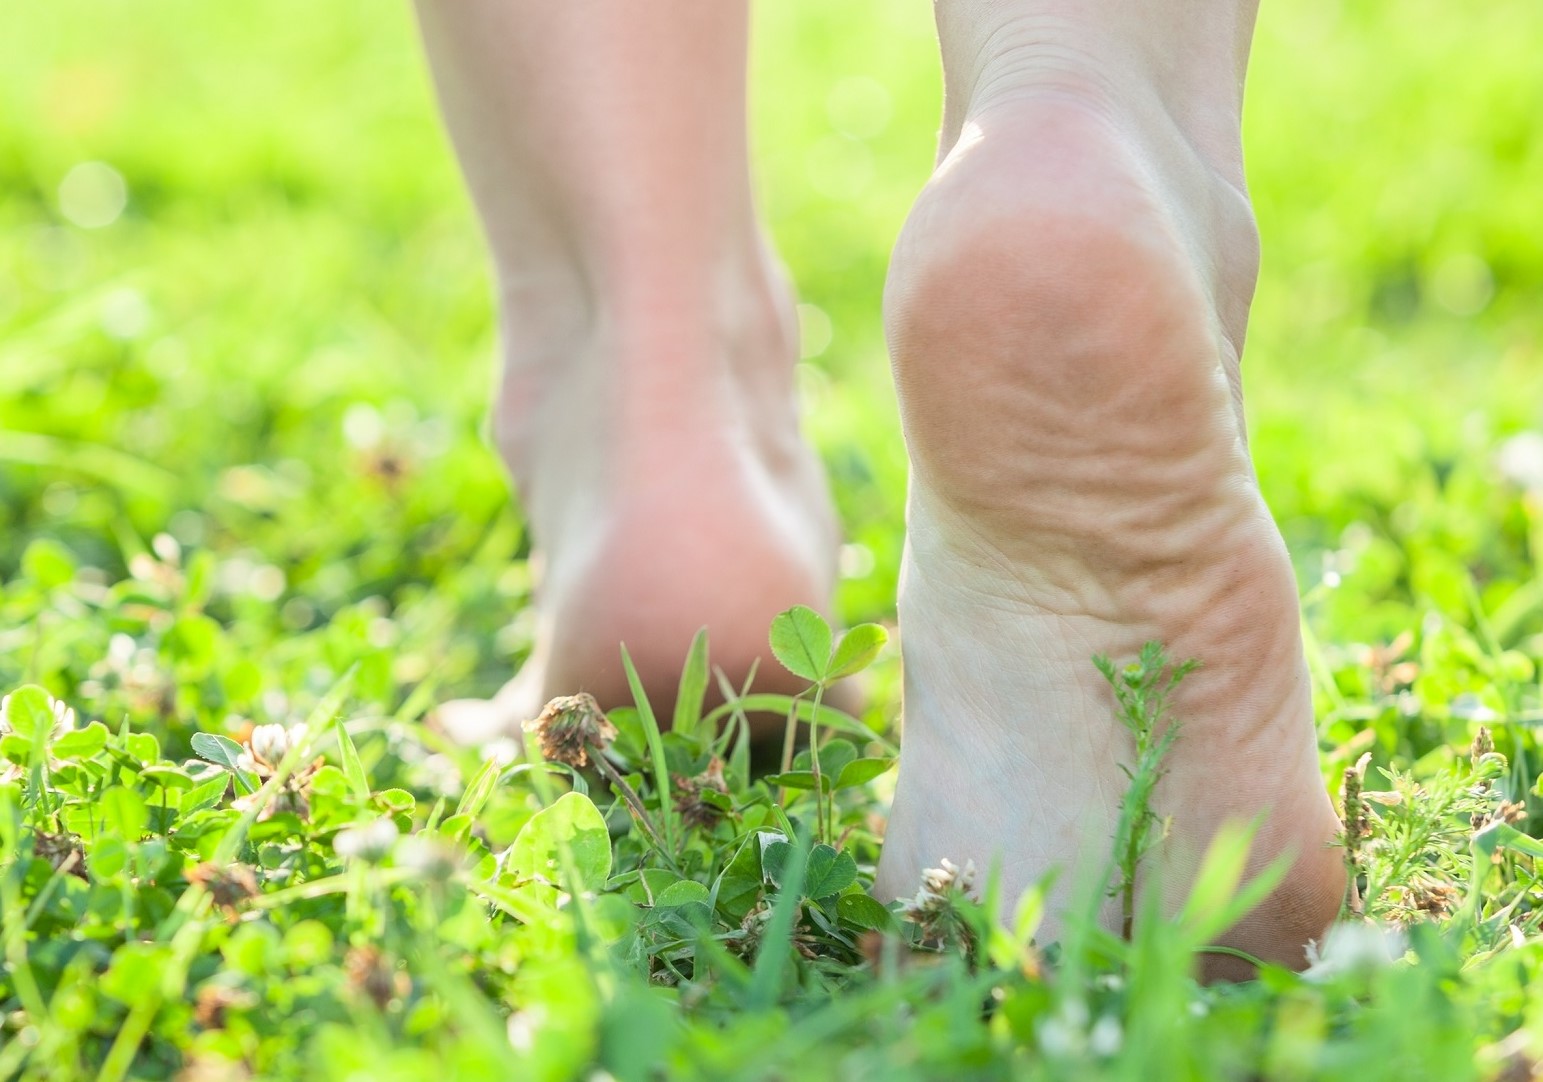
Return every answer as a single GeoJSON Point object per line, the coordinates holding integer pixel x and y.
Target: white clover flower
{"type": "Point", "coordinates": [1064, 1033]}
{"type": "Point", "coordinates": [523, 1027]}
{"type": "Point", "coordinates": [934, 898]}
{"type": "Point", "coordinates": [1106, 1036]}
{"type": "Point", "coordinates": [366, 841]}
{"type": "Point", "coordinates": [441, 774]}
{"type": "Point", "coordinates": [1354, 946]}
{"type": "Point", "coordinates": [1520, 460]}
{"type": "Point", "coordinates": [950, 875]}
{"type": "Point", "coordinates": [1469, 707]}
{"type": "Point", "coordinates": [268, 744]}
{"type": "Point", "coordinates": [937, 885]}
{"type": "Point", "coordinates": [429, 857]}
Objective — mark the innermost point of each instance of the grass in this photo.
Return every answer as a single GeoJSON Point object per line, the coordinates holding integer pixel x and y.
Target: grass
{"type": "Point", "coordinates": [243, 483]}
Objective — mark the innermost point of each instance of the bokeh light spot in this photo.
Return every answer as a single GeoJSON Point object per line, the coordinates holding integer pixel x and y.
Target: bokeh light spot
{"type": "Point", "coordinates": [93, 195]}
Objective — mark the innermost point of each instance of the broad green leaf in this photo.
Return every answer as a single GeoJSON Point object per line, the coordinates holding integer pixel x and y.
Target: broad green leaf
{"type": "Point", "coordinates": [194, 641]}
{"type": "Point", "coordinates": [81, 743]}
{"type": "Point", "coordinates": [794, 779]}
{"type": "Point", "coordinates": [645, 885]}
{"type": "Point", "coordinates": [693, 688]}
{"type": "Point", "coordinates": [857, 649]}
{"type": "Point", "coordinates": [456, 826]}
{"type": "Point", "coordinates": [143, 746]}
{"type": "Point", "coordinates": [205, 794]}
{"type": "Point", "coordinates": [106, 856]}
{"type": "Point", "coordinates": [679, 893]}
{"type": "Point", "coordinates": [31, 717]}
{"type": "Point", "coordinates": [307, 944]}
{"type": "Point", "coordinates": [223, 751]}
{"type": "Point", "coordinates": [828, 872]}
{"type": "Point", "coordinates": [572, 822]}
{"type": "Point", "coordinates": [16, 748]}
{"type": "Point", "coordinates": [1508, 837]}
{"type": "Point", "coordinates": [800, 638]}
{"type": "Point", "coordinates": [713, 798]}
{"type": "Point", "coordinates": [167, 776]}
{"type": "Point", "coordinates": [137, 970]}
{"type": "Point", "coordinates": [738, 895]}
{"type": "Point", "coordinates": [774, 858]}
{"type": "Point", "coordinates": [741, 883]}
{"type": "Point", "coordinates": [861, 911]}
{"type": "Point", "coordinates": [772, 957]}
{"type": "Point", "coordinates": [862, 771]}
{"type": "Point", "coordinates": [396, 800]}
{"type": "Point", "coordinates": [563, 1036]}
{"type": "Point", "coordinates": [574, 778]}
{"type": "Point", "coordinates": [329, 781]}
{"type": "Point", "coordinates": [834, 756]}
{"type": "Point", "coordinates": [123, 813]}
{"type": "Point", "coordinates": [48, 563]}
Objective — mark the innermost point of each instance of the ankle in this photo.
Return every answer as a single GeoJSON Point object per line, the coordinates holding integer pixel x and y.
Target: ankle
{"type": "Point", "coordinates": [667, 352]}
{"type": "Point", "coordinates": [1120, 59]}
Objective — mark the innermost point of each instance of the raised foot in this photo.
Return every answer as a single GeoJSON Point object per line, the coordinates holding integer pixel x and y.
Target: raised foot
{"type": "Point", "coordinates": [1065, 346]}
{"type": "Point", "coordinates": [668, 491]}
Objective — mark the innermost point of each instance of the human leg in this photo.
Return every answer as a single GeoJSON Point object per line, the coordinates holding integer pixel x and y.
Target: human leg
{"type": "Point", "coordinates": [646, 408]}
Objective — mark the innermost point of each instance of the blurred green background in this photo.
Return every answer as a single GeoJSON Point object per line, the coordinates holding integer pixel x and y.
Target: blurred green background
{"type": "Point", "coordinates": [243, 301]}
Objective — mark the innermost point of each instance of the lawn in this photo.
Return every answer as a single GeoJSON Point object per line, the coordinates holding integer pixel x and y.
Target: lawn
{"type": "Point", "coordinates": [245, 349]}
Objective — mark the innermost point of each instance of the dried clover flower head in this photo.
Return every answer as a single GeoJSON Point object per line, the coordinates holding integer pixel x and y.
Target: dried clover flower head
{"type": "Point", "coordinates": [1483, 744]}
{"type": "Point", "coordinates": [694, 811]}
{"type": "Point", "coordinates": [229, 885]}
{"type": "Point", "coordinates": [570, 727]}
{"type": "Point", "coordinates": [209, 1011]}
{"type": "Point", "coordinates": [1507, 811]}
{"type": "Point", "coordinates": [62, 851]}
{"type": "Point", "coordinates": [376, 975]}
{"type": "Point", "coordinates": [1431, 895]}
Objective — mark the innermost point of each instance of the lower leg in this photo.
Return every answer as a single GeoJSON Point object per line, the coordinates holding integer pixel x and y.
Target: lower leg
{"type": "Point", "coordinates": [1066, 310]}
{"type": "Point", "coordinates": [646, 410]}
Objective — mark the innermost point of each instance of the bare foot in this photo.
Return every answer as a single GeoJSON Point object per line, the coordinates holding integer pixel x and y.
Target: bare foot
{"type": "Point", "coordinates": [647, 409]}
{"type": "Point", "coordinates": [1065, 312]}
{"type": "Point", "coordinates": [668, 488]}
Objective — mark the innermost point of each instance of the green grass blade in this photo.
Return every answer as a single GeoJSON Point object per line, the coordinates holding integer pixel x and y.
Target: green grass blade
{"type": "Point", "coordinates": [479, 790]}
{"type": "Point", "coordinates": [693, 688]}
{"type": "Point", "coordinates": [348, 755]}
{"type": "Point", "coordinates": [655, 751]}
{"type": "Point", "coordinates": [772, 958]}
